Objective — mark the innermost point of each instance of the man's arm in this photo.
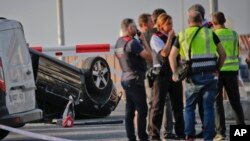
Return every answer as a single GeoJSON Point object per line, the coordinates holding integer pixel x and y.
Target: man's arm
{"type": "Point", "coordinates": [220, 50]}
{"type": "Point", "coordinates": [172, 61]}
{"type": "Point", "coordinates": [146, 52]}
{"type": "Point", "coordinates": [222, 55]}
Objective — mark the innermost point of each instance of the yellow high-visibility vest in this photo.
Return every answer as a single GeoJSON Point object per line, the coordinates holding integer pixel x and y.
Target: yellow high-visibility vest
{"type": "Point", "coordinates": [229, 40]}
{"type": "Point", "coordinates": [203, 49]}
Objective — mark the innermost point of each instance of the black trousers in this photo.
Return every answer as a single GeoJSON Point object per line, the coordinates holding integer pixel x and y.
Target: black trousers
{"type": "Point", "coordinates": [135, 101]}
{"type": "Point", "coordinates": [176, 97]}
{"type": "Point", "coordinates": [230, 82]}
{"type": "Point", "coordinates": [160, 89]}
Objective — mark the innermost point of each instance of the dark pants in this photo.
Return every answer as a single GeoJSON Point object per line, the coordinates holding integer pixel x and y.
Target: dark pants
{"type": "Point", "coordinates": [230, 82]}
{"type": "Point", "coordinates": [160, 89]}
{"type": "Point", "coordinates": [176, 96]}
{"type": "Point", "coordinates": [135, 101]}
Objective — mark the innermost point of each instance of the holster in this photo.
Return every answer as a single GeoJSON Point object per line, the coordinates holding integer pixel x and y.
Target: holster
{"type": "Point", "coordinates": [151, 75]}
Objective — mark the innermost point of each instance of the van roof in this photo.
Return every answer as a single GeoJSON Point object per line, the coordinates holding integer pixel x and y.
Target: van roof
{"type": "Point", "coordinates": [6, 24]}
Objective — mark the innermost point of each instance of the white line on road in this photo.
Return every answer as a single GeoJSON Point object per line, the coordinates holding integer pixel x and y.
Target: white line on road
{"type": "Point", "coordinates": [31, 134]}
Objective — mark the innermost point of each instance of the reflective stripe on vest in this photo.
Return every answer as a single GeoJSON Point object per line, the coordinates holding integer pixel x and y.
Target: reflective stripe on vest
{"type": "Point", "coordinates": [229, 40]}
{"type": "Point", "coordinates": [203, 51]}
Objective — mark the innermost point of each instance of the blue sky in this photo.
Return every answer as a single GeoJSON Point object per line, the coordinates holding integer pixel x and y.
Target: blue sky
{"type": "Point", "coordinates": [98, 21]}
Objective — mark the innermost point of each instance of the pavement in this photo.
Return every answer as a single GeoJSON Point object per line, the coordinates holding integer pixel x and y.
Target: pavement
{"type": "Point", "coordinates": [120, 111]}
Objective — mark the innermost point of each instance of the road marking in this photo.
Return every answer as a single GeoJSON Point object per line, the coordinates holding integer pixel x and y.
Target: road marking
{"type": "Point", "coordinates": [31, 134]}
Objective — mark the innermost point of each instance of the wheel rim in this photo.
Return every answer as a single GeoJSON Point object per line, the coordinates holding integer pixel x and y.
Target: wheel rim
{"type": "Point", "coordinates": [100, 74]}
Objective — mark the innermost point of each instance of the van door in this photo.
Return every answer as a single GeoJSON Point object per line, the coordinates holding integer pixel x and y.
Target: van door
{"type": "Point", "coordinates": [17, 68]}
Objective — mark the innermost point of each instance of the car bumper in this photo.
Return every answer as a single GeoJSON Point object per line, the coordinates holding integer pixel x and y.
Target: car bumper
{"type": "Point", "coordinates": [20, 119]}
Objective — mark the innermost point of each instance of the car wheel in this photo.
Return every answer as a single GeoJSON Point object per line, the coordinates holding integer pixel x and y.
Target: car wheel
{"type": "Point", "coordinates": [97, 74]}
{"type": "Point", "coordinates": [3, 134]}
{"type": "Point", "coordinates": [97, 107]}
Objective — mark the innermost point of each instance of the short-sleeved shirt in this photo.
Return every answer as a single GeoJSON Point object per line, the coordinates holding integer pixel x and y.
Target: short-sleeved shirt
{"type": "Point", "coordinates": [156, 43]}
{"type": "Point", "coordinates": [132, 46]}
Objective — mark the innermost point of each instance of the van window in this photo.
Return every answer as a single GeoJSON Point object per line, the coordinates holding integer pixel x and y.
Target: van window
{"type": "Point", "coordinates": [17, 54]}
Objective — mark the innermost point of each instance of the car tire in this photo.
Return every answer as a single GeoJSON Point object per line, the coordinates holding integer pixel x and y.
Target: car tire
{"type": "Point", "coordinates": [97, 74]}
{"type": "Point", "coordinates": [97, 106]}
{"type": "Point", "coordinates": [3, 134]}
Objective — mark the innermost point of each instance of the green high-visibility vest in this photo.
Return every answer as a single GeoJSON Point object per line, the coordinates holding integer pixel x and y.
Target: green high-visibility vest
{"type": "Point", "coordinates": [229, 40]}
{"type": "Point", "coordinates": [203, 49]}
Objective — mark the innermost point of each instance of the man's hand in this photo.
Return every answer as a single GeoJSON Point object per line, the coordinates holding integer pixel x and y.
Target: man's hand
{"type": "Point", "coordinates": [175, 77]}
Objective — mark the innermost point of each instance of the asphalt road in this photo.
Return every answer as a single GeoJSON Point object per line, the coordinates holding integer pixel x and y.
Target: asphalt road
{"type": "Point", "coordinates": [111, 128]}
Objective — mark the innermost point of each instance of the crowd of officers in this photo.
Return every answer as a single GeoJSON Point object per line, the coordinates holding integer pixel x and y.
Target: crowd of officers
{"type": "Point", "coordinates": [152, 87]}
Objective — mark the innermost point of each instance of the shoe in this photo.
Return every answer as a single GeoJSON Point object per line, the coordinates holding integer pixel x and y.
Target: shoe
{"type": "Point", "coordinates": [154, 139]}
{"type": "Point", "coordinates": [189, 138]}
{"type": "Point", "coordinates": [181, 137]}
{"type": "Point", "coordinates": [171, 136]}
{"type": "Point", "coordinates": [219, 137]}
{"type": "Point", "coordinates": [200, 135]}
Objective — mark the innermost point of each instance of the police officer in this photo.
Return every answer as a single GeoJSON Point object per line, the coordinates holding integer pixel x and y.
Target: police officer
{"type": "Point", "coordinates": [199, 8]}
{"type": "Point", "coordinates": [201, 82]}
{"type": "Point", "coordinates": [146, 26]}
{"type": "Point", "coordinates": [228, 75]}
{"type": "Point", "coordinates": [131, 55]}
{"type": "Point", "coordinates": [161, 43]}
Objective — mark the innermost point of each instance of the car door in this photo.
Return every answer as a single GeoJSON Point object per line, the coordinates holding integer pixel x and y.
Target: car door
{"type": "Point", "coordinates": [17, 69]}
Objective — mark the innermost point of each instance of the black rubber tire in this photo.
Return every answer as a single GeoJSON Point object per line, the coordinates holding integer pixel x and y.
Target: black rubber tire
{"type": "Point", "coordinates": [3, 134]}
{"type": "Point", "coordinates": [96, 70]}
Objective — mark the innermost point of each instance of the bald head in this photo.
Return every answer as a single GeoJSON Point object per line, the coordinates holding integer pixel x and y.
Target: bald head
{"type": "Point", "coordinates": [194, 18]}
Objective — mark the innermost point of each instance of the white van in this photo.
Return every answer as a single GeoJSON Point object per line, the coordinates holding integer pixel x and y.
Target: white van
{"type": "Point", "coordinates": [17, 86]}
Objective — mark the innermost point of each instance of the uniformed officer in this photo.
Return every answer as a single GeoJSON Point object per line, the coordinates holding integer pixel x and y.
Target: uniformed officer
{"type": "Point", "coordinates": [228, 75]}
{"type": "Point", "coordinates": [201, 82]}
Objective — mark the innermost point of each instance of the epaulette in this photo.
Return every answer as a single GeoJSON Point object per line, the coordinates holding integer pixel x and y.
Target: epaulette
{"type": "Point", "coordinates": [127, 38]}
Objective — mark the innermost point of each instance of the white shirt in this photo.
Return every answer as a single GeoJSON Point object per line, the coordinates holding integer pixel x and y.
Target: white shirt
{"type": "Point", "coordinates": [156, 43]}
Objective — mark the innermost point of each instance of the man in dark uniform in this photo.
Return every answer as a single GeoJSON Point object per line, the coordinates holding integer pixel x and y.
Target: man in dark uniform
{"type": "Point", "coordinates": [131, 56]}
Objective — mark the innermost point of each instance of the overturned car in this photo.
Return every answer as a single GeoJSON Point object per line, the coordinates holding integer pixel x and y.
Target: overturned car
{"type": "Point", "coordinates": [91, 86]}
